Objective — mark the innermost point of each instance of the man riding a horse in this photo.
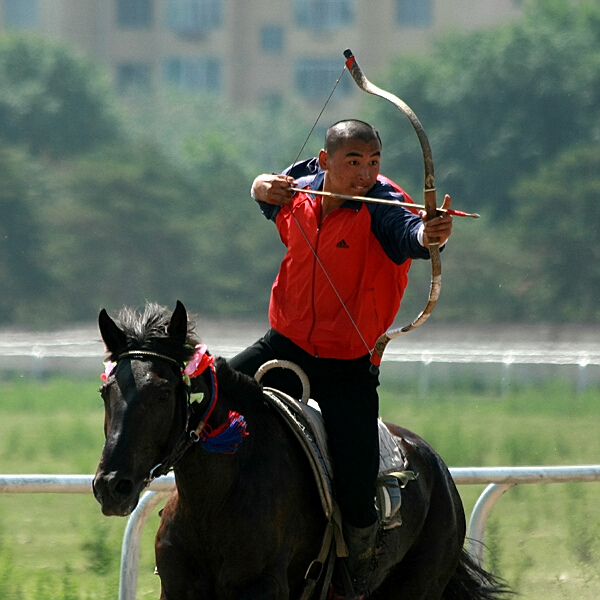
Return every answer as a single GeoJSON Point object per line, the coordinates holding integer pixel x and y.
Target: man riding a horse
{"type": "Point", "coordinates": [245, 521]}
{"type": "Point", "coordinates": [338, 289]}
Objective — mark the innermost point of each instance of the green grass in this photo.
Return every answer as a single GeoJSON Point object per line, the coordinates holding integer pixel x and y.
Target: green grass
{"type": "Point", "coordinates": [543, 538]}
{"type": "Point", "coordinates": [59, 546]}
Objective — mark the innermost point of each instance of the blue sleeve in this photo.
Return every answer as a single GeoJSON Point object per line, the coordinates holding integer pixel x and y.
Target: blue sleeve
{"type": "Point", "coordinates": [395, 227]}
{"type": "Point", "coordinates": [303, 168]}
{"type": "Point", "coordinates": [304, 172]}
{"type": "Point", "coordinates": [269, 210]}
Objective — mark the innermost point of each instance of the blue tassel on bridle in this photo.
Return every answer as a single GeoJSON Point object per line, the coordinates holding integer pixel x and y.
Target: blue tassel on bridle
{"type": "Point", "coordinates": [226, 438]}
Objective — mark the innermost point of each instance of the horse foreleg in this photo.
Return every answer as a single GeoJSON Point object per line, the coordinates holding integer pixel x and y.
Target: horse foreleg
{"type": "Point", "coordinates": [179, 582]}
{"type": "Point", "coordinates": [410, 586]}
{"type": "Point", "coordinates": [180, 577]}
{"type": "Point", "coordinates": [193, 587]}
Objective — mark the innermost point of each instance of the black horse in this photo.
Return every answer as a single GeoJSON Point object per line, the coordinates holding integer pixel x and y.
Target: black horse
{"type": "Point", "coordinates": [245, 520]}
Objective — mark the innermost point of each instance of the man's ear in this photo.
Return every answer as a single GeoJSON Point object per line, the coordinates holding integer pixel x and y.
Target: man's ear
{"type": "Point", "coordinates": [323, 158]}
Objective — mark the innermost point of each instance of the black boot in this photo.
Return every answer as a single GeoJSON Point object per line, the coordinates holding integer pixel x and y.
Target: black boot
{"type": "Point", "coordinates": [362, 546]}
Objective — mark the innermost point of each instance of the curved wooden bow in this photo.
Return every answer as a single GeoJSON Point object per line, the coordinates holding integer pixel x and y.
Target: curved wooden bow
{"type": "Point", "coordinates": [429, 202]}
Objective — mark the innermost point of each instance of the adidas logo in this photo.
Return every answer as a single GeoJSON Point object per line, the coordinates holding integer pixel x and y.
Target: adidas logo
{"type": "Point", "coordinates": [342, 244]}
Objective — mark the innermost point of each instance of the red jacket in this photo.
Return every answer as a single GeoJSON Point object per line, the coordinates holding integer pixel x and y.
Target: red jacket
{"type": "Point", "coordinates": [304, 305]}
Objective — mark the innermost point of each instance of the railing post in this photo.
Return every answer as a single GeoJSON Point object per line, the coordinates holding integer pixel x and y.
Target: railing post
{"type": "Point", "coordinates": [479, 515]}
{"type": "Point", "coordinates": [130, 551]}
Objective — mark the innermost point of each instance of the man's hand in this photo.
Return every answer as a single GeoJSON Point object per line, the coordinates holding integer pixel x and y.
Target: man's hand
{"type": "Point", "coordinates": [273, 189]}
{"type": "Point", "coordinates": [439, 227]}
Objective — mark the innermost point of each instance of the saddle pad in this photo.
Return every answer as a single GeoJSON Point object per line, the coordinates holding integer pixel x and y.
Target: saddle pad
{"type": "Point", "coordinates": [306, 422]}
{"type": "Point", "coordinates": [303, 423]}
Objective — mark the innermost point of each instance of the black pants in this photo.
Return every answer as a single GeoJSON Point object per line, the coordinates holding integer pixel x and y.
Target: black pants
{"type": "Point", "coordinates": [347, 394]}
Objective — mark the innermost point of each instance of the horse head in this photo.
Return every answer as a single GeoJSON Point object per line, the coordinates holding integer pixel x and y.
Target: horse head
{"type": "Point", "coordinates": [145, 400]}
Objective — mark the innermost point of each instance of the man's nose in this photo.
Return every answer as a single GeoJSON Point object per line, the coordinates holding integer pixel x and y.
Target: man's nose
{"type": "Point", "coordinates": [364, 173]}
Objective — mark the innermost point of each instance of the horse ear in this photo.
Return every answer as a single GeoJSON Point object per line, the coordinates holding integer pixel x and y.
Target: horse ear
{"type": "Point", "coordinates": [113, 337]}
{"type": "Point", "coordinates": [178, 327]}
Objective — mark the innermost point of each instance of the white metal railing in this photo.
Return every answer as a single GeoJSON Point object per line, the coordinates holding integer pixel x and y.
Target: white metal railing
{"type": "Point", "coordinates": [505, 345]}
{"type": "Point", "coordinates": [499, 480]}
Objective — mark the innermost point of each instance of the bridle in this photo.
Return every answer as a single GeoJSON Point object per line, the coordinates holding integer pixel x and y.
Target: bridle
{"type": "Point", "coordinates": [224, 439]}
{"type": "Point", "coordinates": [183, 397]}
{"type": "Point", "coordinates": [149, 353]}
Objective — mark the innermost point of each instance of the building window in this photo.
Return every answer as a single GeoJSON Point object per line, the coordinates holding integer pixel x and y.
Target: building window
{"type": "Point", "coordinates": [314, 78]}
{"type": "Point", "coordinates": [323, 14]}
{"type": "Point", "coordinates": [415, 13]}
{"type": "Point", "coordinates": [134, 14]}
{"type": "Point", "coordinates": [197, 74]}
{"type": "Point", "coordinates": [193, 17]}
{"type": "Point", "coordinates": [21, 14]}
{"type": "Point", "coordinates": [133, 78]}
{"type": "Point", "coordinates": [271, 39]}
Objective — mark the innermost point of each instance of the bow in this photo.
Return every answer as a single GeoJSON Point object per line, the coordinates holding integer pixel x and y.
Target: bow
{"type": "Point", "coordinates": [429, 203]}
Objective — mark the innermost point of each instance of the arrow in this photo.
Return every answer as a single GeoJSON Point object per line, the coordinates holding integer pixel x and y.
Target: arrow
{"type": "Point", "coordinates": [448, 211]}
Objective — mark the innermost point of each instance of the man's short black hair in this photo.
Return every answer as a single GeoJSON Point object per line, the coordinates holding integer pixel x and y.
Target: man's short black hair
{"type": "Point", "coordinates": [351, 129]}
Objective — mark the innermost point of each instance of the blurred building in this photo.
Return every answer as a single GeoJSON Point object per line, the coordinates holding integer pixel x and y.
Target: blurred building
{"type": "Point", "coordinates": [249, 51]}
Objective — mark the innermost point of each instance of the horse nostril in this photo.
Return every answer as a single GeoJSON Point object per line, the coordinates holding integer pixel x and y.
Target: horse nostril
{"type": "Point", "coordinates": [124, 488]}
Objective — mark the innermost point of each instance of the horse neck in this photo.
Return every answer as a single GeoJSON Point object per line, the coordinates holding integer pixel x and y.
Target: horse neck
{"type": "Point", "coordinates": [204, 479]}
{"type": "Point", "coordinates": [201, 471]}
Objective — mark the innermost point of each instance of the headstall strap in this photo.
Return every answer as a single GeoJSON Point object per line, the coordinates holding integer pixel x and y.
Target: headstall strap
{"type": "Point", "coordinates": [224, 439]}
{"type": "Point", "coordinates": [141, 353]}
{"type": "Point", "coordinates": [109, 365]}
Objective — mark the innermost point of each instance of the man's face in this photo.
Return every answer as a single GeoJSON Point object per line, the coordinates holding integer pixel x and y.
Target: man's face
{"type": "Point", "coordinates": [352, 169]}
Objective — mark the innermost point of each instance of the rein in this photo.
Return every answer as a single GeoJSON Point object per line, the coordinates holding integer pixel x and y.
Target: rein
{"type": "Point", "coordinates": [224, 439]}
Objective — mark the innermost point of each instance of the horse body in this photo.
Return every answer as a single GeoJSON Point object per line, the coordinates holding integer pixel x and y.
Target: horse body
{"type": "Point", "coordinates": [248, 524]}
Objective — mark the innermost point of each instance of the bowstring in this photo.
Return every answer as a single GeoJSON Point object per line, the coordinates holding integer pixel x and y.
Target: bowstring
{"type": "Point", "coordinates": [314, 252]}
{"type": "Point", "coordinates": [319, 115]}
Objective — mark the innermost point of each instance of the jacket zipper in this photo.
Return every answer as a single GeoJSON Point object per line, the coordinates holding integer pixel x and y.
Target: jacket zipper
{"type": "Point", "coordinates": [312, 295]}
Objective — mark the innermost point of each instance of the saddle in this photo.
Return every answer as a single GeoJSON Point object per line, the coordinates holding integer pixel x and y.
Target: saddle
{"type": "Point", "coordinates": [305, 421]}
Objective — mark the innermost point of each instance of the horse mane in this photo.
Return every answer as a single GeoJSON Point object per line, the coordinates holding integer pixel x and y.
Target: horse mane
{"type": "Point", "coordinates": [237, 384]}
{"type": "Point", "coordinates": [148, 330]}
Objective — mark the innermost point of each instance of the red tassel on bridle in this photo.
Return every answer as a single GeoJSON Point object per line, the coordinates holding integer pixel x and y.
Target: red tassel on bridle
{"type": "Point", "coordinates": [226, 438]}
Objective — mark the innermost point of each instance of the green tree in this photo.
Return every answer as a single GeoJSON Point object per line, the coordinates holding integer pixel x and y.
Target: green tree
{"type": "Point", "coordinates": [260, 139]}
{"type": "Point", "coordinates": [234, 253]}
{"type": "Point", "coordinates": [558, 222]}
{"type": "Point", "coordinates": [52, 101]}
{"type": "Point", "coordinates": [118, 230]}
{"type": "Point", "coordinates": [24, 281]}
